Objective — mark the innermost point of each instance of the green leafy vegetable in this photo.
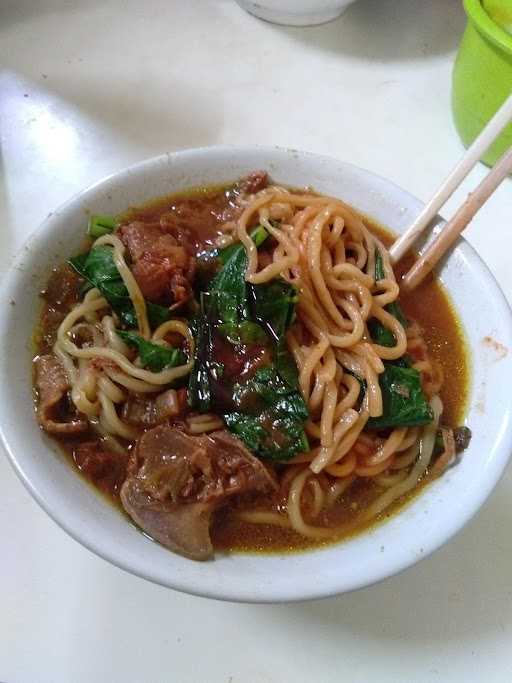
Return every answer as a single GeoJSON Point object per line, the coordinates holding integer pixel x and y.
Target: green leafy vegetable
{"type": "Point", "coordinates": [273, 306]}
{"type": "Point", "coordinates": [285, 366]}
{"type": "Point", "coordinates": [267, 411]}
{"type": "Point", "coordinates": [379, 333]}
{"type": "Point", "coordinates": [258, 236]}
{"type": "Point", "coordinates": [231, 295]}
{"type": "Point", "coordinates": [101, 225]}
{"type": "Point", "coordinates": [245, 332]}
{"type": "Point", "coordinates": [279, 440]}
{"type": "Point", "coordinates": [379, 266]}
{"type": "Point", "coordinates": [78, 262]}
{"type": "Point", "coordinates": [264, 388]}
{"type": "Point", "coordinates": [404, 403]}
{"type": "Point", "coordinates": [209, 261]}
{"type": "Point", "coordinates": [199, 389]}
{"type": "Point", "coordinates": [395, 310]}
{"type": "Point", "coordinates": [154, 356]}
{"type": "Point", "coordinates": [248, 429]}
{"type": "Point", "coordinates": [98, 267]}
{"type": "Point", "coordinates": [230, 288]}
{"type": "Point", "coordinates": [238, 304]}
{"type": "Point", "coordinates": [156, 314]}
{"type": "Point", "coordinates": [270, 416]}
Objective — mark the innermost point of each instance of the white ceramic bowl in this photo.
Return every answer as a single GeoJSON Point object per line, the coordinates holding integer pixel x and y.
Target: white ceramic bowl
{"type": "Point", "coordinates": [296, 12]}
{"type": "Point", "coordinates": [420, 528]}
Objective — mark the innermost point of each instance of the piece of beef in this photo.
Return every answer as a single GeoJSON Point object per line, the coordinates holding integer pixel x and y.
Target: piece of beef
{"type": "Point", "coordinates": [163, 269]}
{"type": "Point", "coordinates": [60, 295]}
{"type": "Point", "coordinates": [462, 437]}
{"type": "Point", "coordinates": [183, 479]}
{"type": "Point", "coordinates": [254, 182]}
{"type": "Point", "coordinates": [54, 412]}
{"type": "Point", "coordinates": [138, 237]}
{"type": "Point", "coordinates": [149, 411]}
{"type": "Point", "coordinates": [160, 279]}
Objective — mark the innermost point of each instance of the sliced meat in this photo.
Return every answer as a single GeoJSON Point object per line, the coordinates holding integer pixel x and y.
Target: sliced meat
{"type": "Point", "coordinates": [148, 411]}
{"type": "Point", "coordinates": [160, 279]}
{"type": "Point", "coordinates": [462, 437]}
{"type": "Point", "coordinates": [184, 530]}
{"type": "Point", "coordinates": [236, 196]}
{"type": "Point", "coordinates": [54, 412]}
{"type": "Point", "coordinates": [183, 479]}
{"type": "Point", "coordinates": [166, 247]}
{"type": "Point", "coordinates": [238, 471]}
{"type": "Point", "coordinates": [138, 237]}
{"type": "Point", "coordinates": [63, 287]}
{"type": "Point", "coordinates": [60, 295]}
{"type": "Point", "coordinates": [106, 470]}
{"type": "Point", "coordinates": [254, 182]}
{"type": "Point", "coordinates": [163, 269]}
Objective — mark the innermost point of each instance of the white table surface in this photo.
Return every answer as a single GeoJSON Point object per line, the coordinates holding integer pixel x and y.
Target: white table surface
{"type": "Point", "coordinates": [87, 87]}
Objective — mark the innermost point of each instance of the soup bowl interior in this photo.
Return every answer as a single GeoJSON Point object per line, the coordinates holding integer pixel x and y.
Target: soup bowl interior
{"type": "Point", "coordinates": [417, 530]}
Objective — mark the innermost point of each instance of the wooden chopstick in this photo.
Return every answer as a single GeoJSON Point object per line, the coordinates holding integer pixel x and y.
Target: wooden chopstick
{"type": "Point", "coordinates": [449, 233]}
{"type": "Point", "coordinates": [491, 131]}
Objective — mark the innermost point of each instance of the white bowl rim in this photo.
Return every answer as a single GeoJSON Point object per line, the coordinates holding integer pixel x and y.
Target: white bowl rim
{"type": "Point", "coordinates": [491, 475]}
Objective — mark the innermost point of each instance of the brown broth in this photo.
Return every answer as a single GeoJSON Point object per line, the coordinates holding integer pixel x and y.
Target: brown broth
{"type": "Point", "coordinates": [202, 210]}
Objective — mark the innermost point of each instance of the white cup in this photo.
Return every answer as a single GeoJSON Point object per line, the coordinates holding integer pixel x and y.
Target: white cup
{"type": "Point", "coordinates": [296, 12]}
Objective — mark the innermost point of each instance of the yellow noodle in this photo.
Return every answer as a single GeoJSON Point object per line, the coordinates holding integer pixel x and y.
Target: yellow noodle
{"type": "Point", "coordinates": [131, 383]}
{"type": "Point", "coordinates": [159, 378]}
{"type": "Point", "coordinates": [130, 282]}
{"type": "Point", "coordinates": [318, 497]}
{"type": "Point", "coordinates": [207, 423]}
{"type": "Point", "coordinates": [111, 337]}
{"type": "Point", "coordinates": [111, 422]}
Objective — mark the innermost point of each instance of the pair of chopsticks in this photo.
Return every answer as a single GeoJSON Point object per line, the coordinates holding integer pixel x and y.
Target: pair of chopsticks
{"type": "Point", "coordinates": [475, 200]}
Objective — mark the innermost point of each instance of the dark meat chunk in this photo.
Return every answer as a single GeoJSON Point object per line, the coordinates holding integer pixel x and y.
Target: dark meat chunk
{"type": "Point", "coordinates": [462, 437]}
{"type": "Point", "coordinates": [62, 288]}
{"type": "Point", "coordinates": [163, 269]}
{"type": "Point", "coordinates": [183, 479]}
{"type": "Point", "coordinates": [138, 237]}
{"type": "Point", "coordinates": [54, 412]}
{"type": "Point", "coordinates": [106, 470]}
{"type": "Point", "coordinates": [184, 529]}
{"type": "Point", "coordinates": [161, 279]}
{"type": "Point", "coordinates": [148, 411]}
{"type": "Point", "coordinates": [254, 182]}
{"type": "Point", "coordinates": [60, 295]}
{"type": "Point", "coordinates": [237, 194]}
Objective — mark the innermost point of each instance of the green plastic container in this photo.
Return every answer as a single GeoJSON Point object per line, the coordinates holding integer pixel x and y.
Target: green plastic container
{"type": "Point", "coordinates": [482, 78]}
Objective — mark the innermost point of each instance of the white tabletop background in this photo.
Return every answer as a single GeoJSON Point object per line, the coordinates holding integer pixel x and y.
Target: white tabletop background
{"type": "Point", "coordinates": [87, 87]}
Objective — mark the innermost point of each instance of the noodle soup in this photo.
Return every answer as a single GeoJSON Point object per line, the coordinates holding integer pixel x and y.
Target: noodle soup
{"type": "Point", "coordinates": [234, 368]}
